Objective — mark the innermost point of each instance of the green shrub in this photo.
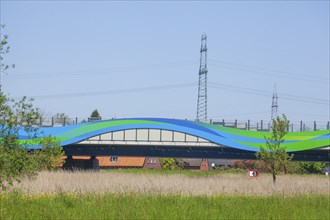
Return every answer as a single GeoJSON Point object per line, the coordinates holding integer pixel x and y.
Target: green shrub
{"type": "Point", "coordinates": [172, 164]}
{"type": "Point", "coordinates": [251, 165]}
{"type": "Point", "coordinates": [312, 167]}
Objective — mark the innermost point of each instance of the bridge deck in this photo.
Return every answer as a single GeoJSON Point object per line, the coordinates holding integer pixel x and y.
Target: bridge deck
{"type": "Point", "coordinates": [178, 138]}
{"type": "Point", "coordinates": [219, 152]}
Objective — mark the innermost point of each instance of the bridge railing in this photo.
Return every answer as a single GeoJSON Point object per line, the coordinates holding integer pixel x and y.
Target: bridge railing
{"type": "Point", "coordinates": [264, 125]}
{"type": "Point", "coordinates": [254, 125]}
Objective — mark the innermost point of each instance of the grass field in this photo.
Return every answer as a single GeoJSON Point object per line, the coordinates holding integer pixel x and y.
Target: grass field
{"type": "Point", "coordinates": [132, 206]}
{"type": "Point", "coordinates": [187, 183]}
{"type": "Point", "coordinates": [171, 172]}
{"type": "Point", "coordinates": [137, 194]}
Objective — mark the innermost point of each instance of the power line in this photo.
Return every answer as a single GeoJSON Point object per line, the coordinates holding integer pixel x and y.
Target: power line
{"type": "Point", "coordinates": [183, 85]}
{"type": "Point", "coordinates": [113, 92]}
{"type": "Point", "coordinates": [315, 80]}
{"type": "Point", "coordinates": [246, 113]}
{"type": "Point", "coordinates": [267, 93]}
{"type": "Point", "coordinates": [240, 89]}
{"type": "Point", "coordinates": [268, 70]}
{"type": "Point", "coordinates": [303, 97]}
{"type": "Point", "coordinates": [262, 71]}
{"type": "Point", "coordinates": [100, 72]}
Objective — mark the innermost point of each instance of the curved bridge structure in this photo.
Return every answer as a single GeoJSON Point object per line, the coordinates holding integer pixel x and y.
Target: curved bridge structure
{"type": "Point", "coordinates": [179, 138]}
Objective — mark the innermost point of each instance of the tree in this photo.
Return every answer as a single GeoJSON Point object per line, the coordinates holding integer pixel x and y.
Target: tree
{"type": "Point", "coordinates": [16, 160]}
{"type": "Point", "coordinates": [50, 156]}
{"type": "Point", "coordinates": [274, 154]}
{"type": "Point", "coordinates": [16, 119]}
{"type": "Point", "coordinates": [95, 114]}
{"type": "Point", "coordinates": [4, 49]}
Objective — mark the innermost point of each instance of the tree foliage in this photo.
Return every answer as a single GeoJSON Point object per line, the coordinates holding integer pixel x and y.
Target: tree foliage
{"type": "Point", "coordinates": [16, 119]}
{"type": "Point", "coordinates": [293, 167]}
{"type": "Point", "coordinates": [95, 114]}
{"type": "Point", "coordinates": [16, 160]}
{"type": "Point", "coordinates": [4, 49]}
{"type": "Point", "coordinates": [312, 167]}
{"type": "Point", "coordinates": [168, 164]}
{"type": "Point", "coordinates": [300, 167]}
{"type": "Point", "coordinates": [274, 153]}
{"type": "Point", "coordinates": [251, 165]}
{"type": "Point", "coordinates": [172, 164]}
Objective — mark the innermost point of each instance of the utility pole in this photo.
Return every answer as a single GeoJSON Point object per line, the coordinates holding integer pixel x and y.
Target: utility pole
{"type": "Point", "coordinates": [274, 104]}
{"type": "Point", "coordinates": [202, 83]}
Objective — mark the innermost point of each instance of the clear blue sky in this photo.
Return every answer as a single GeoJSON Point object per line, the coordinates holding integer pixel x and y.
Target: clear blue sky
{"type": "Point", "coordinates": [119, 57]}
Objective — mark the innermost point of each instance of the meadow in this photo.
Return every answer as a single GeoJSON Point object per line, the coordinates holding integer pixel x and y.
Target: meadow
{"type": "Point", "coordinates": [132, 206]}
{"type": "Point", "coordinates": [138, 194]}
{"type": "Point", "coordinates": [193, 183]}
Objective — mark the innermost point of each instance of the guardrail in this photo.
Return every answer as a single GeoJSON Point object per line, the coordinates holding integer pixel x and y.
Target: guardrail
{"type": "Point", "coordinates": [262, 125]}
{"type": "Point", "coordinates": [254, 125]}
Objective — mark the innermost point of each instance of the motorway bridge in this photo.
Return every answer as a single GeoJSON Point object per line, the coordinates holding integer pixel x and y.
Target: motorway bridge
{"type": "Point", "coordinates": [162, 137]}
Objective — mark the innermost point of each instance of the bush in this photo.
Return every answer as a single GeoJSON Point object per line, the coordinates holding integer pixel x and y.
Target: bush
{"type": "Point", "coordinates": [16, 160]}
{"type": "Point", "coordinates": [168, 164]}
{"type": "Point", "coordinates": [172, 164]}
{"type": "Point", "coordinates": [293, 167]}
{"type": "Point", "coordinates": [311, 167]}
{"type": "Point", "coordinates": [251, 165]}
{"type": "Point", "coordinates": [297, 167]}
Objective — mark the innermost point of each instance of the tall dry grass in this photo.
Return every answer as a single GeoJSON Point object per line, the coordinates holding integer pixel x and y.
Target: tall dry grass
{"type": "Point", "coordinates": [221, 184]}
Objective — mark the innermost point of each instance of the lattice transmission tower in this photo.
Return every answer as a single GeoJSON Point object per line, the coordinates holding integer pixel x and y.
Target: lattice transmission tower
{"type": "Point", "coordinates": [202, 83]}
{"type": "Point", "coordinates": [274, 104]}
